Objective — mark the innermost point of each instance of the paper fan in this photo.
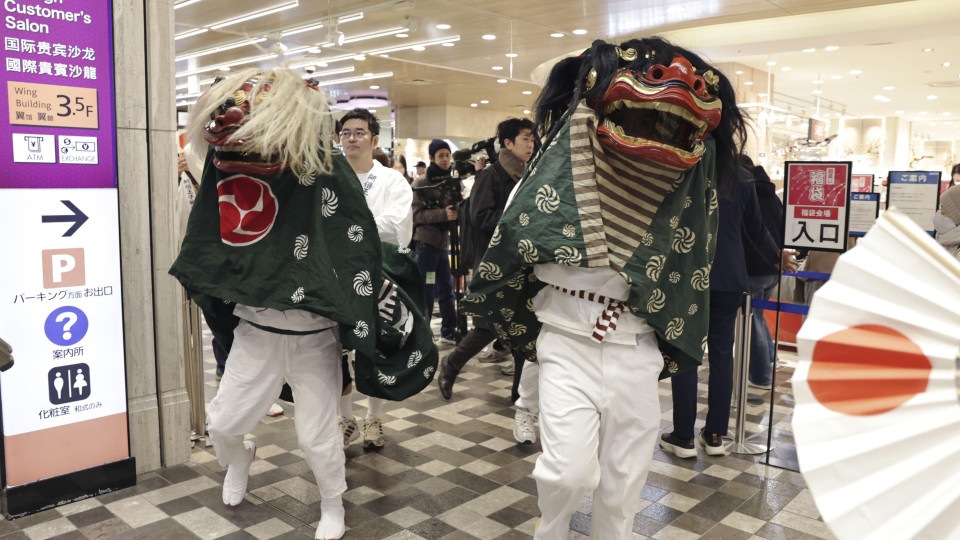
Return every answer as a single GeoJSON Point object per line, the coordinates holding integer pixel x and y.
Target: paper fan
{"type": "Point", "coordinates": [877, 419]}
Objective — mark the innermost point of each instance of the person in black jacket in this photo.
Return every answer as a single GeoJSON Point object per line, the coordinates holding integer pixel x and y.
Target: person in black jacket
{"type": "Point", "coordinates": [741, 235]}
{"type": "Point", "coordinates": [763, 277]}
{"type": "Point", "coordinates": [488, 198]}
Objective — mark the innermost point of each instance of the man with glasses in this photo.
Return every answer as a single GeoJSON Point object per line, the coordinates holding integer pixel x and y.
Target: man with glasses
{"type": "Point", "coordinates": [390, 200]}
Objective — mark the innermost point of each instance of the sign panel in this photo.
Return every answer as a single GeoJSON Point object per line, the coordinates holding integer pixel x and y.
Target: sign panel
{"type": "Point", "coordinates": [864, 211]}
{"type": "Point", "coordinates": [58, 80]}
{"type": "Point", "coordinates": [861, 183]}
{"type": "Point", "coordinates": [816, 203]}
{"type": "Point", "coordinates": [916, 194]}
{"type": "Point", "coordinates": [817, 130]}
{"type": "Point", "coordinates": [64, 401]}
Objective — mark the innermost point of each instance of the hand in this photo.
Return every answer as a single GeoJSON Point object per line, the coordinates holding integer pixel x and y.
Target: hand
{"type": "Point", "coordinates": [451, 213]}
{"type": "Point", "coordinates": [788, 261]}
{"type": "Point", "coordinates": [182, 164]}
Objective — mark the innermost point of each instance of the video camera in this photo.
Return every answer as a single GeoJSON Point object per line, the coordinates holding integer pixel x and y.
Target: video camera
{"type": "Point", "coordinates": [487, 145]}
{"type": "Point", "coordinates": [451, 192]}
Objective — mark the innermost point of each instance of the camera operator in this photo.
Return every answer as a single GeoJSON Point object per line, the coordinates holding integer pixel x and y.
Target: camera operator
{"type": "Point", "coordinates": [433, 211]}
{"type": "Point", "coordinates": [487, 200]}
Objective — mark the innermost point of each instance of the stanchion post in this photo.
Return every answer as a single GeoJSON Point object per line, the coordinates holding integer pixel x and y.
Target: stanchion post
{"type": "Point", "coordinates": [740, 444]}
{"type": "Point", "coordinates": [737, 352]}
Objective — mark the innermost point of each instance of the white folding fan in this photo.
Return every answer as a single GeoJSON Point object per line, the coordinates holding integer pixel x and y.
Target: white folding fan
{"type": "Point", "coordinates": [877, 419]}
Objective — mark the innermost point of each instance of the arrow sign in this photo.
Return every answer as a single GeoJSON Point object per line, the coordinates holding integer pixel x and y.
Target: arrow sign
{"type": "Point", "coordinates": [78, 218]}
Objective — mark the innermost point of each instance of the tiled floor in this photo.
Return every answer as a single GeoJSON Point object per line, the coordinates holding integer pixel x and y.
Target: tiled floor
{"type": "Point", "coordinates": [450, 470]}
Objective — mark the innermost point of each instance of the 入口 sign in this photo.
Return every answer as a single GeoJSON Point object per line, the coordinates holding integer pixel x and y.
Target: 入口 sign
{"type": "Point", "coordinates": [816, 205]}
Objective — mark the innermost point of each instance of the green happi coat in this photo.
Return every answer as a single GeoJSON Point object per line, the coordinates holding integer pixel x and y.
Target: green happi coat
{"type": "Point", "coordinates": [322, 254]}
{"type": "Point", "coordinates": [558, 215]}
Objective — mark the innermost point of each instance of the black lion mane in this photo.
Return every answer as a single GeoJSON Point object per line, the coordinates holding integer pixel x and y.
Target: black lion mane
{"type": "Point", "coordinates": [566, 85]}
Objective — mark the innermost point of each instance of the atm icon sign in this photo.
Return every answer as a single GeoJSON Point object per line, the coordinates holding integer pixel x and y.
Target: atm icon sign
{"type": "Point", "coordinates": [63, 268]}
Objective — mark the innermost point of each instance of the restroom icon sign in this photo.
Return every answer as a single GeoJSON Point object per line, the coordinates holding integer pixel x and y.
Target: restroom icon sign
{"type": "Point", "coordinates": [66, 384]}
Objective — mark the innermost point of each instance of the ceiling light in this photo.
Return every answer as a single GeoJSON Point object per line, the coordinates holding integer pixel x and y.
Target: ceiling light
{"type": "Point", "coordinates": [338, 71]}
{"type": "Point", "coordinates": [358, 58]}
{"type": "Point", "coordinates": [928, 49]}
{"type": "Point", "coordinates": [497, 68]}
{"type": "Point", "coordinates": [374, 35]}
{"type": "Point", "coordinates": [489, 37]}
{"type": "Point", "coordinates": [448, 44]}
{"type": "Point", "coordinates": [484, 101]}
{"type": "Point", "coordinates": [931, 97]}
{"type": "Point", "coordinates": [352, 17]}
{"type": "Point", "coordinates": [473, 104]}
{"type": "Point", "coordinates": [836, 77]}
{"type": "Point", "coordinates": [218, 48]}
{"type": "Point", "coordinates": [526, 111]}
{"type": "Point", "coordinates": [786, 68]}
{"type": "Point", "coordinates": [811, 49]}
{"type": "Point", "coordinates": [189, 33]}
{"type": "Point", "coordinates": [412, 45]}
{"type": "Point", "coordinates": [897, 112]}
{"type": "Point", "coordinates": [855, 72]}
{"type": "Point", "coordinates": [254, 15]}
{"type": "Point", "coordinates": [764, 94]}
{"type": "Point", "coordinates": [831, 48]}
{"type": "Point", "coordinates": [923, 113]}
{"type": "Point", "coordinates": [301, 29]}
{"type": "Point", "coordinates": [946, 114]}
{"type": "Point", "coordinates": [418, 48]}
{"type": "Point", "coordinates": [818, 92]}
{"type": "Point", "coordinates": [946, 64]}
{"type": "Point", "coordinates": [443, 27]}
{"type": "Point", "coordinates": [556, 34]}
{"type": "Point", "coordinates": [314, 50]}
{"type": "Point", "coordinates": [889, 88]}
{"type": "Point", "coordinates": [511, 55]}
{"type": "Point", "coordinates": [228, 65]}
{"type": "Point", "coordinates": [403, 35]}
{"type": "Point", "coordinates": [372, 110]}
{"type": "Point", "coordinates": [354, 79]}
{"type": "Point", "coordinates": [579, 32]}
{"type": "Point", "coordinates": [749, 83]}
{"type": "Point", "coordinates": [527, 92]}
{"type": "Point", "coordinates": [771, 63]}
{"type": "Point", "coordinates": [738, 72]}
{"type": "Point", "coordinates": [185, 3]}
{"type": "Point", "coordinates": [881, 99]}
{"type": "Point", "coordinates": [818, 82]}
{"type": "Point", "coordinates": [502, 81]}
{"type": "Point", "coordinates": [374, 87]}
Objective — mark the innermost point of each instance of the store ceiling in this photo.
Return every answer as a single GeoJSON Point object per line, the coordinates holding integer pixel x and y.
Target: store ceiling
{"type": "Point", "coordinates": [883, 39]}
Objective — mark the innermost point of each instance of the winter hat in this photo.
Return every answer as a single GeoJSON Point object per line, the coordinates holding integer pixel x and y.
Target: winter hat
{"type": "Point", "coordinates": [950, 204]}
{"type": "Point", "coordinates": [436, 145]}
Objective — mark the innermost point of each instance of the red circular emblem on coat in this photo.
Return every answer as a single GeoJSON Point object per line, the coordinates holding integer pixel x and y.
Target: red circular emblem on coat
{"type": "Point", "coordinates": [248, 210]}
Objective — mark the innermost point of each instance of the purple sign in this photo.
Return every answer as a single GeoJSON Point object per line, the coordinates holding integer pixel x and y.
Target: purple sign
{"type": "Point", "coordinates": [57, 92]}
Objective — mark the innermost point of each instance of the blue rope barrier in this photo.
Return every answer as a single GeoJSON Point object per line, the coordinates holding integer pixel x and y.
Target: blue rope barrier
{"type": "Point", "coordinates": [798, 309]}
{"type": "Point", "coordinates": [810, 275]}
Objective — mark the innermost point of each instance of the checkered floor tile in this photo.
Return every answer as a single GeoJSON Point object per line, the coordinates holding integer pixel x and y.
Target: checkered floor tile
{"type": "Point", "coordinates": [450, 470]}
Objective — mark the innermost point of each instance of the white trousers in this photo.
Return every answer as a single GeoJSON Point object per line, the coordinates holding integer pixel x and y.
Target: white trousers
{"type": "Point", "coordinates": [529, 388]}
{"type": "Point", "coordinates": [599, 420]}
{"type": "Point", "coordinates": [258, 364]}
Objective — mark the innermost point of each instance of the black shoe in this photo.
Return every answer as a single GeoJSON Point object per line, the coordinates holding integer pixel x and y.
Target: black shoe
{"type": "Point", "coordinates": [444, 381]}
{"type": "Point", "coordinates": [683, 448]}
{"type": "Point", "coordinates": [451, 338]}
{"type": "Point", "coordinates": [713, 444]}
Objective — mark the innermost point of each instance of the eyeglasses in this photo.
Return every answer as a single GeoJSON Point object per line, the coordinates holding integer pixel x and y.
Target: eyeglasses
{"type": "Point", "coordinates": [346, 134]}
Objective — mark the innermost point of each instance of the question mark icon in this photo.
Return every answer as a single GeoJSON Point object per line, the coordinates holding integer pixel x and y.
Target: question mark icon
{"type": "Point", "coordinates": [66, 325]}
{"type": "Point", "coordinates": [71, 319]}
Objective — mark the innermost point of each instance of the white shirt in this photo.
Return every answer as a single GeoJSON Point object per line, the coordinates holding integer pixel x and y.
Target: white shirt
{"type": "Point", "coordinates": [291, 319]}
{"type": "Point", "coordinates": [578, 316]}
{"type": "Point", "coordinates": [391, 200]}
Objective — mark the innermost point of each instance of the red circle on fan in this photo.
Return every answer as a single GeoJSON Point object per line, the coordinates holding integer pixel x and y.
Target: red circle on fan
{"type": "Point", "coordinates": [867, 370]}
{"type": "Point", "coordinates": [248, 210]}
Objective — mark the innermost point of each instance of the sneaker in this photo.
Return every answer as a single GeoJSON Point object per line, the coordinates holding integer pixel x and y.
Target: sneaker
{"type": "Point", "coordinates": [509, 370]}
{"type": "Point", "coordinates": [713, 444]}
{"type": "Point", "coordinates": [235, 482]}
{"type": "Point", "coordinates": [351, 431]}
{"type": "Point", "coordinates": [275, 410]}
{"type": "Point", "coordinates": [373, 433]}
{"type": "Point", "coordinates": [524, 430]}
{"type": "Point", "coordinates": [682, 448]}
{"type": "Point", "coordinates": [761, 386]}
{"type": "Point", "coordinates": [219, 373]}
{"type": "Point", "coordinates": [494, 356]}
{"type": "Point", "coordinates": [451, 338]}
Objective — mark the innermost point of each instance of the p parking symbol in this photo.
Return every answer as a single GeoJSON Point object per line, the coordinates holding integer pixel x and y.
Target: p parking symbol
{"type": "Point", "coordinates": [63, 268]}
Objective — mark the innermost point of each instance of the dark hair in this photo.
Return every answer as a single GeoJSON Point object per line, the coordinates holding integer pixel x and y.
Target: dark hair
{"type": "Point", "coordinates": [381, 156]}
{"type": "Point", "coordinates": [373, 125]}
{"type": "Point", "coordinates": [462, 154]}
{"type": "Point", "coordinates": [956, 170]}
{"type": "Point", "coordinates": [511, 127]}
{"type": "Point", "coordinates": [745, 162]}
{"type": "Point", "coordinates": [566, 85]}
{"type": "Point", "coordinates": [402, 160]}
